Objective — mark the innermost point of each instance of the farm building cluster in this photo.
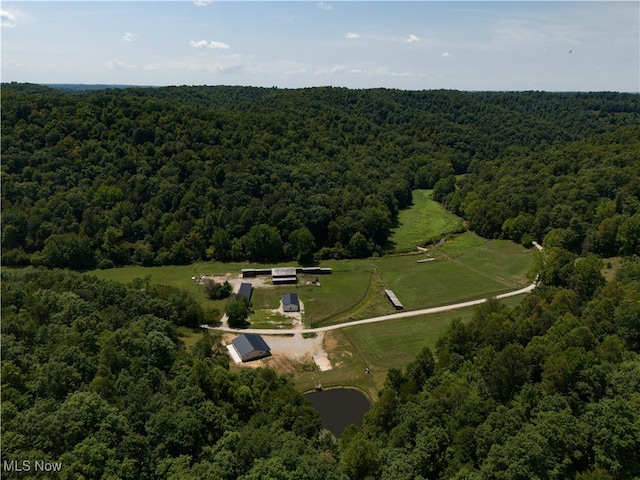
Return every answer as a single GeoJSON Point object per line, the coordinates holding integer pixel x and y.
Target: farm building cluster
{"type": "Point", "coordinates": [284, 275]}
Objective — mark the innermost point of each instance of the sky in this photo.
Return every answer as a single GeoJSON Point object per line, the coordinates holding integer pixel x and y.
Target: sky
{"type": "Point", "coordinates": [413, 45]}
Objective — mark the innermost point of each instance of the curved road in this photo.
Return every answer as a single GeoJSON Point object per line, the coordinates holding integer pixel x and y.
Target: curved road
{"type": "Point", "coordinates": [383, 318]}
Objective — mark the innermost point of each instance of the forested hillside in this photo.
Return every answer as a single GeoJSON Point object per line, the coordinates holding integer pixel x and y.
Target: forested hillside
{"type": "Point", "coordinates": [547, 390]}
{"type": "Point", "coordinates": [174, 175]}
{"type": "Point", "coordinates": [95, 379]}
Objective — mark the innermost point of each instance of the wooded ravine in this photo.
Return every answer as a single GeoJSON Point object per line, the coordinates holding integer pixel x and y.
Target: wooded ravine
{"type": "Point", "coordinates": [173, 175]}
{"type": "Point", "coordinates": [96, 379]}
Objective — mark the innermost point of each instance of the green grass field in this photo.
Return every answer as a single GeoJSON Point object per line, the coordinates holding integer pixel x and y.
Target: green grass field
{"type": "Point", "coordinates": [179, 276]}
{"type": "Point", "coordinates": [465, 266]}
{"type": "Point", "coordinates": [425, 222]}
{"type": "Point", "coordinates": [380, 347]}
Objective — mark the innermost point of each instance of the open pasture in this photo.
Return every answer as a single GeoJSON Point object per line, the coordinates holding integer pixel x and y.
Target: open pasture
{"type": "Point", "coordinates": [503, 260]}
{"type": "Point", "coordinates": [463, 268]}
{"type": "Point", "coordinates": [380, 347]}
{"type": "Point", "coordinates": [425, 222]}
{"type": "Point", "coordinates": [323, 296]}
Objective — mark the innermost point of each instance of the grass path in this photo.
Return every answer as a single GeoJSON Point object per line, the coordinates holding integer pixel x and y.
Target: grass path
{"type": "Point", "coordinates": [425, 222]}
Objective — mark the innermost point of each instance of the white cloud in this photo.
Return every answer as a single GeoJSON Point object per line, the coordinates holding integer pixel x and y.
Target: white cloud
{"type": "Point", "coordinates": [202, 3]}
{"type": "Point", "coordinates": [14, 64]}
{"type": "Point", "coordinates": [300, 71]}
{"type": "Point", "coordinates": [213, 44]}
{"type": "Point", "coordinates": [325, 6]}
{"type": "Point", "coordinates": [7, 19]}
{"type": "Point", "coordinates": [352, 35]}
{"type": "Point", "coordinates": [115, 64]}
{"type": "Point", "coordinates": [413, 39]}
{"type": "Point", "coordinates": [446, 54]}
{"type": "Point", "coordinates": [128, 37]}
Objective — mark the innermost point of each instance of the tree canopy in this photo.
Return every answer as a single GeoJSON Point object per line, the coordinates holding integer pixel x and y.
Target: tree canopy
{"type": "Point", "coordinates": [95, 377]}
{"type": "Point", "coordinates": [154, 176]}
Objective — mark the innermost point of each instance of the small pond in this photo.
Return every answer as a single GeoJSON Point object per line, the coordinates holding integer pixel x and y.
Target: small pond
{"type": "Point", "coordinates": [339, 407]}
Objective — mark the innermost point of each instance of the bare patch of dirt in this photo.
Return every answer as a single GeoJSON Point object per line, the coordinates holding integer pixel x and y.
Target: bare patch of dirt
{"type": "Point", "coordinates": [290, 353]}
{"type": "Point", "coordinates": [235, 279]}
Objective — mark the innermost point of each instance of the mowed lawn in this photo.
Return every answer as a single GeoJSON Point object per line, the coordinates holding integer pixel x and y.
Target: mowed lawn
{"type": "Point", "coordinates": [380, 347]}
{"type": "Point", "coordinates": [425, 222]}
{"type": "Point", "coordinates": [463, 268]}
{"type": "Point", "coordinates": [329, 297]}
{"type": "Point", "coordinates": [323, 296]}
{"type": "Point", "coordinates": [179, 276]}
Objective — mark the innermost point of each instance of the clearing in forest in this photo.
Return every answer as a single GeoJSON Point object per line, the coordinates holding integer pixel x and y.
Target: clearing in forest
{"type": "Point", "coordinates": [425, 222]}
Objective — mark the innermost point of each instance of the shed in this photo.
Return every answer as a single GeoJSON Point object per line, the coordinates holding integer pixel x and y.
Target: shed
{"type": "Point", "coordinates": [284, 275]}
{"type": "Point", "coordinates": [290, 302]}
{"type": "Point", "coordinates": [393, 299]}
{"type": "Point", "coordinates": [251, 346]}
{"type": "Point", "coordinates": [246, 289]}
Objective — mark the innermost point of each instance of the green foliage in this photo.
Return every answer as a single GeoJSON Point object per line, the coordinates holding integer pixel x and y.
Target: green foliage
{"type": "Point", "coordinates": [215, 290]}
{"type": "Point", "coordinates": [94, 377]}
{"type": "Point", "coordinates": [237, 313]}
{"type": "Point", "coordinates": [179, 174]}
{"type": "Point", "coordinates": [422, 368]}
{"type": "Point", "coordinates": [546, 390]}
{"type": "Point", "coordinates": [359, 457]}
{"type": "Point", "coordinates": [302, 245]}
{"type": "Point", "coordinates": [67, 250]}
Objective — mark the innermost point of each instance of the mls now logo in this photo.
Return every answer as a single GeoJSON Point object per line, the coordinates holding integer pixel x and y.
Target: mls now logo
{"type": "Point", "coordinates": [28, 466]}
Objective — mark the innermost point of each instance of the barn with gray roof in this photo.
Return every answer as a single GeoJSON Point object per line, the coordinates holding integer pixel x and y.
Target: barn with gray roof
{"type": "Point", "coordinates": [251, 346]}
{"type": "Point", "coordinates": [246, 289]}
{"type": "Point", "coordinates": [290, 302]}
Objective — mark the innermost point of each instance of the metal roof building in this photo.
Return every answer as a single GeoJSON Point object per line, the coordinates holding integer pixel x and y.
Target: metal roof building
{"type": "Point", "coordinates": [284, 275]}
{"type": "Point", "coordinates": [251, 346]}
{"type": "Point", "coordinates": [290, 302]}
{"type": "Point", "coordinates": [246, 289]}
{"type": "Point", "coordinates": [394, 300]}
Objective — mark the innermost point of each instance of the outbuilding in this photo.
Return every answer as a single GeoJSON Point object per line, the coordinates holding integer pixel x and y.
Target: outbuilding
{"type": "Point", "coordinates": [284, 275]}
{"type": "Point", "coordinates": [251, 346]}
{"type": "Point", "coordinates": [246, 289]}
{"type": "Point", "coordinates": [394, 300]}
{"type": "Point", "coordinates": [290, 302]}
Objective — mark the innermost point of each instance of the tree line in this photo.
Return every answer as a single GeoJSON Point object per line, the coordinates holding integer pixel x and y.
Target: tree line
{"type": "Point", "coordinates": [96, 378]}
{"type": "Point", "coordinates": [154, 176]}
{"type": "Point", "coordinates": [549, 389]}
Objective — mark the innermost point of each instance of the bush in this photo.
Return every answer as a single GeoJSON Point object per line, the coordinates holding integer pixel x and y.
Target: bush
{"type": "Point", "coordinates": [215, 290]}
{"type": "Point", "coordinates": [106, 264]}
{"type": "Point", "coordinates": [237, 314]}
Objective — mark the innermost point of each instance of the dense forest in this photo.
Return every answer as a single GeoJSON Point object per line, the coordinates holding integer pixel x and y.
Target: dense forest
{"type": "Point", "coordinates": [154, 176]}
{"type": "Point", "coordinates": [94, 378]}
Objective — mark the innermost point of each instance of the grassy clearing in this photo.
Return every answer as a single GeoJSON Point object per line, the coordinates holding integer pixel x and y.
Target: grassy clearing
{"type": "Point", "coordinates": [425, 222]}
{"type": "Point", "coordinates": [610, 267]}
{"type": "Point", "coordinates": [189, 336]}
{"type": "Point", "coordinates": [338, 293]}
{"type": "Point", "coordinates": [268, 319]}
{"type": "Point", "coordinates": [179, 276]}
{"type": "Point", "coordinates": [503, 260]}
{"type": "Point", "coordinates": [465, 267]}
{"type": "Point", "coordinates": [380, 347]}
{"type": "Point", "coordinates": [349, 368]}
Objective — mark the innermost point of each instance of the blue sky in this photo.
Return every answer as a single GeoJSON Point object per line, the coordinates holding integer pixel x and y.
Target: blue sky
{"type": "Point", "coordinates": [476, 45]}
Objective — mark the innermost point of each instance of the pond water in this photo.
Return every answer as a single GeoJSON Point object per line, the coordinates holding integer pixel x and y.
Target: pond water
{"type": "Point", "coordinates": [339, 407]}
